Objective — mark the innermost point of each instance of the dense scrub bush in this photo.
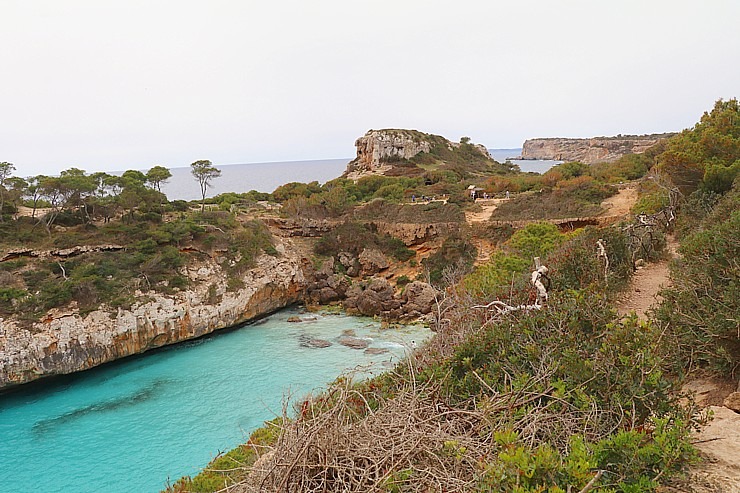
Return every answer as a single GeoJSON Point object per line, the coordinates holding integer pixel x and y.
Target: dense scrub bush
{"type": "Point", "coordinates": [708, 151]}
{"type": "Point", "coordinates": [534, 240]}
{"type": "Point", "coordinates": [494, 278]}
{"type": "Point", "coordinates": [575, 265]}
{"type": "Point", "coordinates": [701, 306]}
{"type": "Point", "coordinates": [554, 204]}
{"type": "Point", "coordinates": [457, 253]}
{"type": "Point", "coordinates": [355, 237]}
{"type": "Point", "coordinates": [433, 212]}
{"type": "Point", "coordinates": [151, 260]}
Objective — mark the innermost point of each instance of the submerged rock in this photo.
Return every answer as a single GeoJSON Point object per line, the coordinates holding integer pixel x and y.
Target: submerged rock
{"type": "Point", "coordinates": [376, 350]}
{"type": "Point", "coordinates": [354, 342]}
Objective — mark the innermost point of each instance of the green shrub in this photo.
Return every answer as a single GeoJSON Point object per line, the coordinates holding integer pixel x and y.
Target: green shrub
{"type": "Point", "coordinates": [353, 237]}
{"type": "Point", "coordinates": [456, 253]}
{"type": "Point", "coordinates": [701, 305]}
{"type": "Point", "coordinates": [494, 278]}
{"type": "Point", "coordinates": [535, 240]}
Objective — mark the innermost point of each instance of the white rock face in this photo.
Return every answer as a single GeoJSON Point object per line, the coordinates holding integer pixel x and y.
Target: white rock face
{"type": "Point", "coordinates": [377, 148]}
{"type": "Point", "coordinates": [65, 342]}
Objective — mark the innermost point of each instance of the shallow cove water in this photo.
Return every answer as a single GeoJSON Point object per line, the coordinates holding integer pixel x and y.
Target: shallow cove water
{"type": "Point", "coordinates": [131, 425]}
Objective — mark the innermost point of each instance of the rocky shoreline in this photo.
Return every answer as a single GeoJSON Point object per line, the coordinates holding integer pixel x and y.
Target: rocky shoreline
{"type": "Point", "coordinates": [66, 342]}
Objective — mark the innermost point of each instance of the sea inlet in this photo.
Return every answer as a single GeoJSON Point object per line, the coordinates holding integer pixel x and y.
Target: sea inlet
{"type": "Point", "coordinates": [134, 425]}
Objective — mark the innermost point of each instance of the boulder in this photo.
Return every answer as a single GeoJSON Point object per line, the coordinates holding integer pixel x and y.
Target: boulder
{"type": "Point", "coordinates": [732, 401]}
{"type": "Point", "coordinates": [317, 343]}
{"type": "Point", "coordinates": [326, 295]}
{"type": "Point", "coordinates": [376, 350]}
{"type": "Point", "coordinates": [372, 261]}
{"type": "Point", "coordinates": [419, 297]}
{"type": "Point", "coordinates": [350, 263]}
{"type": "Point", "coordinates": [339, 283]}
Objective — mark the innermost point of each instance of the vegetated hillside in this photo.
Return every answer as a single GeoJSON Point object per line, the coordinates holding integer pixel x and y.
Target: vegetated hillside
{"type": "Point", "coordinates": [508, 397]}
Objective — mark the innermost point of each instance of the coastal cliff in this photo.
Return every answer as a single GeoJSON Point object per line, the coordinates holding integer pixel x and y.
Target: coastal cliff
{"type": "Point", "coordinates": [66, 342]}
{"type": "Point", "coordinates": [589, 151]}
{"type": "Point", "coordinates": [379, 151]}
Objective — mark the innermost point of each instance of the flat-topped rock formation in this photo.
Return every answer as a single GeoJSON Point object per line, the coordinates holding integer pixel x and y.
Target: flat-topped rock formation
{"type": "Point", "coordinates": [589, 151]}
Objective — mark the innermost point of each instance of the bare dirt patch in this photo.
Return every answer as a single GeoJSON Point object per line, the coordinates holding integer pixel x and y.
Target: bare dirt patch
{"type": "Point", "coordinates": [487, 206]}
{"type": "Point", "coordinates": [621, 203]}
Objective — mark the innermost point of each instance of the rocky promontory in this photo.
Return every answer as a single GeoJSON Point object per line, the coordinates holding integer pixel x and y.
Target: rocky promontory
{"type": "Point", "coordinates": [589, 151]}
{"type": "Point", "coordinates": [378, 151]}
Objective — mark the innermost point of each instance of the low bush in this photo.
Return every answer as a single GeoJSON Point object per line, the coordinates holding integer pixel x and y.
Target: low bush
{"type": "Point", "coordinates": [701, 306]}
{"type": "Point", "coordinates": [454, 258]}
{"type": "Point", "coordinates": [354, 237]}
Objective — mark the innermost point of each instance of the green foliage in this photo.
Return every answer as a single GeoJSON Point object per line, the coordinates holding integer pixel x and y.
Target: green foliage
{"type": "Point", "coordinates": [494, 278]}
{"type": "Point", "coordinates": [574, 264]}
{"type": "Point", "coordinates": [626, 168]}
{"type": "Point", "coordinates": [456, 253]}
{"type": "Point", "coordinates": [718, 178]}
{"type": "Point", "coordinates": [431, 213]}
{"type": "Point", "coordinates": [713, 143]}
{"type": "Point", "coordinates": [569, 170]}
{"type": "Point", "coordinates": [283, 193]}
{"type": "Point", "coordinates": [204, 173]}
{"type": "Point", "coordinates": [552, 204]}
{"type": "Point", "coordinates": [701, 305]}
{"type": "Point", "coordinates": [535, 240]}
{"type": "Point", "coordinates": [355, 237]}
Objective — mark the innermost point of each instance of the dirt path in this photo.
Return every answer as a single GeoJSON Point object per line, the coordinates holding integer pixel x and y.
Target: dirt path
{"type": "Point", "coordinates": [719, 441]}
{"type": "Point", "coordinates": [621, 203]}
{"type": "Point", "coordinates": [643, 293]}
{"type": "Point", "coordinates": [484, 214]}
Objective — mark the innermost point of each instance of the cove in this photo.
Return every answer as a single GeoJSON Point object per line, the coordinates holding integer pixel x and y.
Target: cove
{"type": "Point", "coordinates": [131, 425]}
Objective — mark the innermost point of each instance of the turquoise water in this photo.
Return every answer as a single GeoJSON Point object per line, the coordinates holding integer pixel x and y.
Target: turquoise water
{"type": "Point", "coordinates": [131, 425]}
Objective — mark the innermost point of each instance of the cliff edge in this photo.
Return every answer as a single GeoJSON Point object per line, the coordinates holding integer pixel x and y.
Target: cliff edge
{"type": "Point", "coordinates": [590, 151]}
{"type": "Point", "coordinates": [66, 342]}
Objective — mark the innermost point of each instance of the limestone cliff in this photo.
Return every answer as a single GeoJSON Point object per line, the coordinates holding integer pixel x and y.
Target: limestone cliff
{"type": "Point", "coordinates": [66, 342]}
{"type": "Point", "coordinates": [589, 151]}
{"type": "Point", "coordinates": [378, 150]}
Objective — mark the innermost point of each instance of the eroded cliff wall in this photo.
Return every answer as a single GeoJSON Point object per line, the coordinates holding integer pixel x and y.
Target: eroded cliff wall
{"type": "Point", "coordinates": [589, 151]}
{"type": "Point", "coordinates": [66, 342]}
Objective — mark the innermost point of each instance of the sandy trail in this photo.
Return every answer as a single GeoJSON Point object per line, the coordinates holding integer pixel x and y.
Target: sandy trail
{"type": "Point", "coordinates": [719, 441]}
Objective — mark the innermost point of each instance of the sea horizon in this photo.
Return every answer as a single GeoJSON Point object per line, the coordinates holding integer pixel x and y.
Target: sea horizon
{"type": "Point", "coordinates": [267, 176]}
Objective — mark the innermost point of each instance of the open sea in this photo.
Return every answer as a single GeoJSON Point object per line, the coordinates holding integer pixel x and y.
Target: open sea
{"type": "Point", "coordinates": [128, 426]}
{"type": "Point", "coordinates": [266, 177]}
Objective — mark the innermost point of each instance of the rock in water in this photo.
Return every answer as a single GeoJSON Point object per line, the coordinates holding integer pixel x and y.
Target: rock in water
{"type": "Point", "coordinates": [354, 342]}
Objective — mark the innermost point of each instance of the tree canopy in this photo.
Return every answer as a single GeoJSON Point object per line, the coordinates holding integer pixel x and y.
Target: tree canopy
{"type": "Point", "coordinates": [204, 172]}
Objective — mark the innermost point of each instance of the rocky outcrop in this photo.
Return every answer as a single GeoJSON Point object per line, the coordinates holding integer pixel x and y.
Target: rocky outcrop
{"type": "Point", "coordinates": [376, 297]}
{"type": "Point", "coordinates": [66, 342]}
{"type": "Point", "coordinates": [372, 261]}
{"type": "Point", "coordinates": [589, 151]}
{"type": "Point", "coordinates": [377, 150]}
{"type": "Point", "coordinates": [416, 234]}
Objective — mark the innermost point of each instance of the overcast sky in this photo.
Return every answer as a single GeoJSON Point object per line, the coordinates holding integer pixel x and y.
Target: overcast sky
{"type": "Point", "coordinates": [112, 85]}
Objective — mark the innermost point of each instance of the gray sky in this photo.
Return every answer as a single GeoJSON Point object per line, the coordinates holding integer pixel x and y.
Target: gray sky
{"type": "Point", "coordinates": [111, 85]}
